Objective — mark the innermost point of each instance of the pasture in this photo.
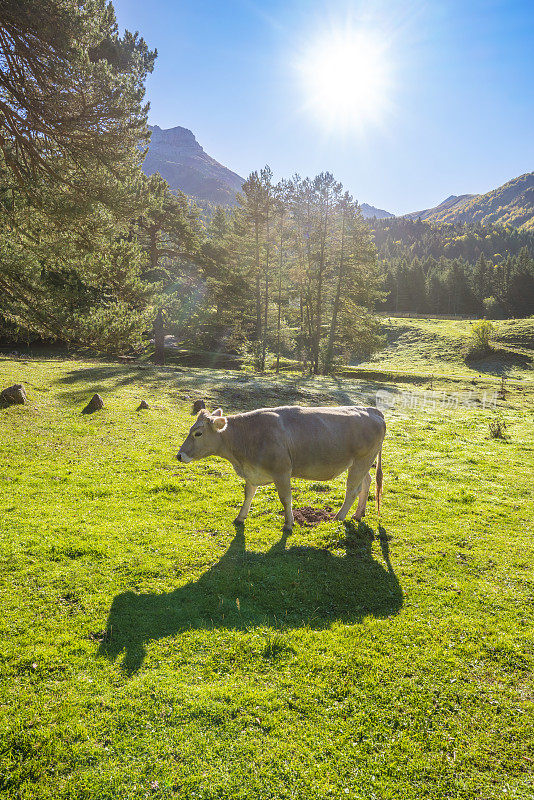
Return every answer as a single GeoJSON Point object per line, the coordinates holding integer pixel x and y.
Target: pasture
{"type": "Point", "coordinates": [150, 650]}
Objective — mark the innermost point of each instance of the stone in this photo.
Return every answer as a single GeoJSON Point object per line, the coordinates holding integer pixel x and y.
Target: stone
{"type": "Point", "coordinates": [142, 404]}
{"type": "Point", "coordinates": [13, 396]}
{"type": "Point", "coordinates": [94, 404]}
{"type": "Point", "coordinates": [198, 405]}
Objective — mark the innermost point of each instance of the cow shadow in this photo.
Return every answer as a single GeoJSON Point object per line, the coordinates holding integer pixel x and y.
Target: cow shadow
{"type": "Point", "coordinates": [281, 588]}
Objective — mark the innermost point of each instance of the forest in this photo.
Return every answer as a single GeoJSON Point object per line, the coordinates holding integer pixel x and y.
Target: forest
{"type": "Point", "coordinates": [96, 255]}
{"type": "Point", "coordinates": [458, 269]}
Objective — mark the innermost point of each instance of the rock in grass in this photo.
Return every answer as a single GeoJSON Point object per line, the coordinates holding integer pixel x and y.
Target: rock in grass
{"type": "Point", "coordinates": [13, 396]}
{"type": "Point", "coordinates": [94, 404]}
{"type": "Point", "coordinates": [142, 404]}
{"type": "Point", "coordinates": [198, 405]}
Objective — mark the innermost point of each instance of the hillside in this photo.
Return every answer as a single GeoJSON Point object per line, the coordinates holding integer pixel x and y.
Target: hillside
{"type": "Point", "coordinates": [509, 204]}
{"type": "Point", "coordinates": [370, 212]}
{"type": "Point", "coordinates": [178, 157]}
{"type": "Point", "coordinates": [421, 346]}
{"type": "Point", "coordinates": [452, 204]}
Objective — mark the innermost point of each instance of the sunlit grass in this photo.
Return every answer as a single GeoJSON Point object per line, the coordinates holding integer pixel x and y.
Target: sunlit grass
{"type": "Point", "coordinates": [147, 649]}
{"type": "Point", "coordinates": [437, 347]}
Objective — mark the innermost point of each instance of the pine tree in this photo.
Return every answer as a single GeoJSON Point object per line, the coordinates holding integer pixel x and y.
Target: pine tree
{"type": "Point", "coordinates": [416, 290]}
{"type": "Point", "coordinates": [252, 212]}
{"type": "Point", "coordinates": [266, 176]}
{"type": "Point", "coordinates": [72, 131]}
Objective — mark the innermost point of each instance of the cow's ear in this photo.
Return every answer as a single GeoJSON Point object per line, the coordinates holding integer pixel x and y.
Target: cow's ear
{"type": "Point", "coordinates": [220, 423]}
{"type": "Point", "coordinates": [217, 412]}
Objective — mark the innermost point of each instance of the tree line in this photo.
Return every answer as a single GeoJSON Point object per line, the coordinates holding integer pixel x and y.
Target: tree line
{"type": "Point", "coordinates": [474, 270]}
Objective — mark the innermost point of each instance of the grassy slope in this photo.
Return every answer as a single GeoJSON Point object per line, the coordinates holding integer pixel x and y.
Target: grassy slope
{"type": "Point", "coordinates": [327, 665]}
{"type": "Point", "coordinates": [432, 346]}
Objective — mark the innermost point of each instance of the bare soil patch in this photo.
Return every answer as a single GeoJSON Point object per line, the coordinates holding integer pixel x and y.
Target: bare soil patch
{"type": "Point", "coordinates": [308, 516]}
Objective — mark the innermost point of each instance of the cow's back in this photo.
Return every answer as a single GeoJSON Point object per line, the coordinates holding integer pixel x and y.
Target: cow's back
{"type": "Point", "coordinates": [325, 441]}
{"type": "Point", "coordinates": [315, 443]}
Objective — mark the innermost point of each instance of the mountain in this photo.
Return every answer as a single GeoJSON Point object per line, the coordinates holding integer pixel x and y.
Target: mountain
{"type": "Point", "coordinates": [451, 204]}
{"type": "Point", "coordinates": [510, 204]}
{"type": "Point", "coordinates": [178, 157]}
{"type": "Point", "coordinates": [370, 212]}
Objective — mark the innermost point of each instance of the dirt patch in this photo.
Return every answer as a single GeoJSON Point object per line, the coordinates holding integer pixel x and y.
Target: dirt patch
{"type": "Point", "coordinates": [310, 517]}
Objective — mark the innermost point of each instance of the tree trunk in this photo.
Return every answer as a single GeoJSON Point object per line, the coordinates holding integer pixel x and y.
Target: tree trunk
{"type": "Point", "coordinates": [279, 299]}
{"type": "Point", "coordinates": [257, 332]}
{"type": "Point", "coordinates": [337, 302]}
{"type": "Point", "coordinates": [159, 339]}
{"type": "Point", "coordinates": [265, 323]}
{"type": "Point", "coordinates": [319, 319]}
{"type": "Point", "coordinates": [303, 337]}
{"type": "Point", "coordinates": [266, 317]}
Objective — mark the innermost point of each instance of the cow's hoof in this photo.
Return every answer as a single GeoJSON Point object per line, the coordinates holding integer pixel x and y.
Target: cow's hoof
{"type": "Point", "coordinates": [287, 529]}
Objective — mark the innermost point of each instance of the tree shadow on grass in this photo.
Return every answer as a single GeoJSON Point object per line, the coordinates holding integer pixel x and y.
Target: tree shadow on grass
{"type": "Point", "coordinates": [501, 362]}
{"type": "Point", "coordinates": [233, 390]}
{"type": "Point", "coordinates": [282, 588]}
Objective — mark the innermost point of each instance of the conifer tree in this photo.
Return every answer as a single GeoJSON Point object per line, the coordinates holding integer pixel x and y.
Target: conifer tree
{"type": "Point", "coordinates": [72, 130]}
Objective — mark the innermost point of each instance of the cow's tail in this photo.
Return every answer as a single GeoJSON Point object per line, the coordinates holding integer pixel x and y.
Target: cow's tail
{"type": "Point", "coordinates": [379, 476]}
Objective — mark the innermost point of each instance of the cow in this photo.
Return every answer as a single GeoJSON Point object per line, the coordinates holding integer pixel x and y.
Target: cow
{"type": "Point", "coordinates": [272, 445]}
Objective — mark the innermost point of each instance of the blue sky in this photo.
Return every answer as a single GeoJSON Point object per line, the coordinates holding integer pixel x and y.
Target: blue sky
{"type": "Point", "coordinates": [460, 97]}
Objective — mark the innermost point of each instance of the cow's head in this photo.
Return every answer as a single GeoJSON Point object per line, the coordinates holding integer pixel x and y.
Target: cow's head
{"type": "Point", "coordinates": [204, 437]}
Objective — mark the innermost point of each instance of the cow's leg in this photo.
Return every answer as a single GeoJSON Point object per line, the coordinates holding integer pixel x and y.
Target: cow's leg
{"type": "Point", "coordinates": [354, 487]}
{"type": "Point", "coordinates": [250, 491]}
{"type": "Point", "coordinates": [283, 487]}
{"type": "Point", "coordinates": [362, 497]}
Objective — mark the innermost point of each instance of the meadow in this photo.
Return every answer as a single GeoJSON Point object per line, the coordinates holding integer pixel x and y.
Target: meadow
{"type": "Point", "coordinates": [148, 649]}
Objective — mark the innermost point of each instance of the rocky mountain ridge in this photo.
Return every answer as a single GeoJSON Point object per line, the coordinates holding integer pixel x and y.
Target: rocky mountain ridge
{"type": "Point", "coordinates": [180, 159]}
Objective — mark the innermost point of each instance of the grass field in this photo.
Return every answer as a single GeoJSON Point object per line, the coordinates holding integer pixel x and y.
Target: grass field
{"type": "Point", "coordinates": [435, 346]}
{"type": "Point", "coordinates": [150, 650]}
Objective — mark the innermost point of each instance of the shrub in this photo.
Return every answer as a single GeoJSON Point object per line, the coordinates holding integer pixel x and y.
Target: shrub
{"type": "Point", "coordinates": [497, 428]}
{"type": "Point", "coordinates": [479, 344]}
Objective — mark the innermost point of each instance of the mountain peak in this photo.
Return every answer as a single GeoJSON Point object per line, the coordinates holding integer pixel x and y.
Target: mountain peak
{"type": "Point", "coordinates": [179, 158]}
{"type": "Point", "coordinates": [371, 212]}
{"type": "Point", "coordinates": [175, 137]}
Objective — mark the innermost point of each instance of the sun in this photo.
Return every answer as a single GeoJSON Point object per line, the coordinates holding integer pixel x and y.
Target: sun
{"type": "Point", "coordinates": [346, 79]}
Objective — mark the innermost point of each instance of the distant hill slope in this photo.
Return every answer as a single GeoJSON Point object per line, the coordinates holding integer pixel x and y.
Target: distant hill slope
{"type": "Point", "coordinates": [178, 157]}
{"type": "Point", "coordinates": [370, 212]}
{"type": "Point", "coordinates": [452, 203]}
{"type": "Point", "coordinates": [510, 204]}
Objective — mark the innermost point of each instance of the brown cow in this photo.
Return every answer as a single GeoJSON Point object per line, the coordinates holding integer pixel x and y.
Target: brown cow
{"type": "Point", "coordinates": [272, 445]}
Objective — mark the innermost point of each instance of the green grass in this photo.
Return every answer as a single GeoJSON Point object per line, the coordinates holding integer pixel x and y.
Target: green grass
{"type": "Point", "coordinates": [436, 346]}
{"type": "Point", "coordinates": [148, 650]}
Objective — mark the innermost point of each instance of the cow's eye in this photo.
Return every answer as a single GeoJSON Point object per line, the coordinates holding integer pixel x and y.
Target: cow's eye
{"type": "Point", "coordinates": [198, 433]}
